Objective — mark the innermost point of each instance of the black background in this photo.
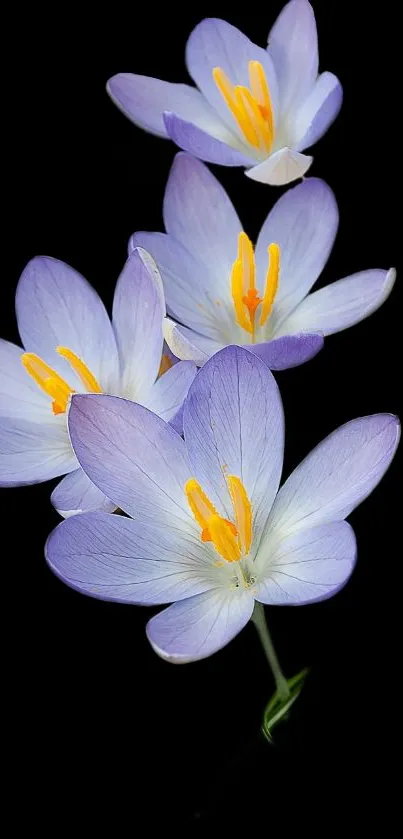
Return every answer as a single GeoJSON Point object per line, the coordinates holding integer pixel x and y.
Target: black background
{"type": "Point", "coordinates": [100, 727]}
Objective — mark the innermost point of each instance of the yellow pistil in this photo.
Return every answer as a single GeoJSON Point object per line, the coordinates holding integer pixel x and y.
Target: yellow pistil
{"type": "Point", "coordinates": [89, 381]}
{"type": "Point", "coordinates": [224, 539]}
{"type": "Point", "coordinates": [251, 108]}
{"type": "Point", "coordinates": [271, 287]}
{"type": "Point", "coordinates": [166, 364]}
{"type": "Point", "coordinates": [54, 385]}
{"type": "Point", "coordinates": [261, 94]}
{"type": "Point", "coordinates": [231, 540]}
{"type": "Point", "coordinates": [243, 512]}
{"type": "Point", "coordinates": [243, 285]}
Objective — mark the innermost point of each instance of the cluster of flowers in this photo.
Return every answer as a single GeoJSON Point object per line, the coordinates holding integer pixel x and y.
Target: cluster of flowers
{"type": "Point", "coordinates": [193, 458]}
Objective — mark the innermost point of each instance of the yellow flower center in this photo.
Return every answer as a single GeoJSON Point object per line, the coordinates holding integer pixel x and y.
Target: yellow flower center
{"type": "Point", "coordinates": [251, 108]}
{"type": "Point", "coordinates": [231, 540]}
{"type": "Point", "coordinates": [52, 384]}
{"type": "Point", "coordinates": [243, 285]}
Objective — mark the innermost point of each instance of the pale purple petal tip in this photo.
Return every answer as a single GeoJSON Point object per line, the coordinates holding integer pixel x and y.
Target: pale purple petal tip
{"type": "Point", "coordinates": [337, 475]}
{"type": "Point", "coordinates": [77, 494]}
{"type": "Point", "coordinates": [288, 351]}
{"type": "Point", "coordinates": [199, 626]}
{"type": "Point", "coordinates": [192, 139]}
{"type": "Point", "coordinates": [133, 456]}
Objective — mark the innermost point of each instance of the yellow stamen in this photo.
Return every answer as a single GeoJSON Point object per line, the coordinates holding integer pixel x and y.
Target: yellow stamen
{"type": "Point", "coordinates": [89, 381]}
{"type": "Point", "coordinates": [261, 94]}
{"type": "Point", "coordinates": [247, 260]}
{"type": "Point", "coordinates": [227, 92]}
{"type": "Point", "coordinates": [243, 287]}
{"type": "Point", "coordinates": [253, 112]}
{"type": "Point", "coordinates": [200, 505]}
{"type": "Point", "coordinates": [166, 364]}
{"type": "Point", "coordinates": [252, 109]}
{"type": "Point", "coordinates": [48, 380]}
{"type": "Point", "coordinates": [238, 295]}
{"type": "Point", "coordinates": [231, 541]}
{"type": "Point", "coordinates": [224, 539]}
{"type": "Point", "coordinates": [245, 295]}
{"type": "Point", "coordinates": [52, 384]}
{"type": "Point", "coordinates": [245, 119]}
{"type": "Point", "coordinates": [243, 512]}
{"type": "Point", "coordinates": [272, 278]}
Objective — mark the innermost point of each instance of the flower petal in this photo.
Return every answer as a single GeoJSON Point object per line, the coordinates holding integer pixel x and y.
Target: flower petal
{"type": "Point", "coordinates": [144, 99]}
{"type": "Point", "coordinates": [282, 167]}
{"type": "Point", "coordinates": [77, 494]}
{"type": "Point", "coordinates": [311, 565]}
{"type": "Point", "coordinates": [336, 476]}
{"type": "Point", "coordinates": [199, 215]}
{"type": "Point", "coordinates": [318, 111]}
{"type": "Point", "coordinates": [137, 319]}
{"type": "Point", "coordinates": [167, 395]}
{"type": "Point", "coordinates": [199, 626]}
{"type": "Point", "coordinates": [216, 43]}
{"type": "Point", "coordinates": [189, 285]}
{"type": "Point", "coordinates": [189, 345]}
{"type": "Point", "coordinates": [293, 48]}
{"type": "Point", "coordinates": [341, 304]}
{"type": "Point", "coordinates": [304, 224]}
{"type": "Point", "coordinates": [210, 147]}
{"type": "Point", "coordinates": [289, 351]}
{"type": "Point", "coordinates": [32, 451]}
{"type": "Point", "coordinates": [114, 558]}
{"type": "Point", "coordinates": [56, 306]}
{"type": "Point", "coordinates": [234, 425]}
{"type": "Point", "coordinates": [19, 395]}
{"type": "Point", "coordinates": [134, 457]}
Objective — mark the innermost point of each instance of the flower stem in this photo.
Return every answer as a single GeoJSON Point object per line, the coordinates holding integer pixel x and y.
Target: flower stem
{"type": "Point", "coordinates": [258, 618]}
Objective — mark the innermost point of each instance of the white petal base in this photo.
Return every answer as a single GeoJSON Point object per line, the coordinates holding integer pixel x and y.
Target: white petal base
{"type": "Point", "coordinates": [280, 168]}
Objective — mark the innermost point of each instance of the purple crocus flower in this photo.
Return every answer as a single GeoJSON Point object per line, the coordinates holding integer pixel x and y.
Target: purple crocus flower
{"type": "Point", "coordinates": [72, 346]}
{"type": "Point", "coordinates": [212, 533]}
{"type": "Point", "coordinates": [222, 291]}
{"type": "Point", "coordinates": [252, 107]}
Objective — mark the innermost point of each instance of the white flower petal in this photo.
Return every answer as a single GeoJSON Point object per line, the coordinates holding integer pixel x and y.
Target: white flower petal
{"type": "Point", "coordinates": [77, 494]}
{"type": "Point", "coordinates": [32, 452]}
{"type": "Point", "coordinates": [189, 285]}
{"type": "Point", "coordinates": [341, 304]}
{"type": "Point", "coordinates": [233, 425]}
{"type": "Point", "coordinates": [168, 393]}
{"type": "Point", "coordinates": [199, 214]}
{"type": "Point", "coordinates": [282, 167]}
{"type": "Point", "coordinates": [144, 99]}
{"type": "Point", "coordinates": [197, 627]}
{"type": "Point", "coordinates": [138, 310]}
{"type": "Point", "coordinates": [20, 396]}
{"type": "Point", "coordinates": [304, 224]}
{"type": "Point", "coordinates": [188, 345]}
{"type": "Point", "coordinates": [115, 558]}
{"type": "Point", "coordinates": [310, 565]}
{"type": "Point", "coordinates": [293, 47]}
{"type": "Point", "coordinates": [56, 306]}
{"type": "Point", "coordinates": [336, 476]}
{"type": "Point", "coordinates": [318, 111]}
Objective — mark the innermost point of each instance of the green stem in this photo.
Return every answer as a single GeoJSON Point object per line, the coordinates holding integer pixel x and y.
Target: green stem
{"type": "Point", "coordinates": [258, 618]}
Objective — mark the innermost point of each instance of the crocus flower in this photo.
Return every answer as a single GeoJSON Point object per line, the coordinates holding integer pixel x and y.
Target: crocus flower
{"type": "Point", "coordinates": [253, 107]}
{"type": "Point", "coordinates": [72, 346]}
{"type": "Point", "coordinates": [222, 291]}
{"type": "Point", "coordinates": [211, 532]}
